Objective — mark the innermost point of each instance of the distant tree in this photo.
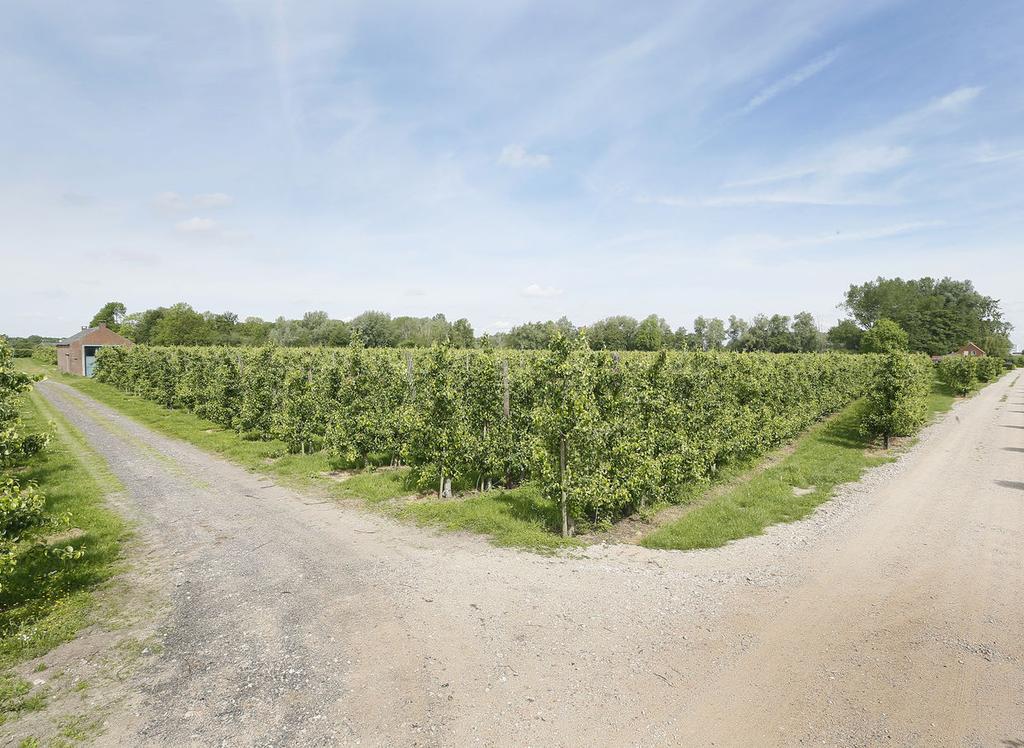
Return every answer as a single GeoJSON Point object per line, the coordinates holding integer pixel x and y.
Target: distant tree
{"type": "Point", "coordinates": [535, 335]}
{"type": "Point", "coordinates": [680, 339]}
{"type": "Point", "coordinates": [222, 327]}
{"type": "Point", "coordinates": [708, 334]}
{"type": "Point", "coordinates": [111, 314]}
{"type": "Point", "coordinates": [883, 337]}
{"type": "Point", "coordinates": [806, 335]}
{"type": "Point", "coordinates": [844, 336]}
{"type": "Point", "coordinates": [613, 333]}
{"type": "Point", "coordinates": [652, 334]}
{"type": "Point", "coordinates": [253, 331]}
{"type": "Point", "coordinates": [461, 334]}
{"type": "Point", "coordinates": [938, 316]}
{"type": "Point", "coordinates": [735, 333]}
{"type": "Point", "coordinates": [375, 329]}
{"type": "Point", "coordinates": [181, 325]}
{"type": "Point", "coordinates": [141, 326]}
{"type": "Point", "coordinates": [771, 334]}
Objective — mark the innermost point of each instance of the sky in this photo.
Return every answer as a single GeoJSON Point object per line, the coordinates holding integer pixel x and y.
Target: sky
{"type": "Point", "coordinates": [504, 161]}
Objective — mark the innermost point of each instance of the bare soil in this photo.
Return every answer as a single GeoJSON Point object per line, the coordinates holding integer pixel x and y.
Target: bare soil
{"type": "Point", "coordinates": [890, 616]}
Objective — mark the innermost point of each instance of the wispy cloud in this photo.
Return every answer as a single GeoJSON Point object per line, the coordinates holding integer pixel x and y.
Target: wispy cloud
{"type": "Point", "coordinates": [791, 81]}
{"type": "Point", "coordinates": [867, 234]}
{"type": "Point", "coordinates": [537, 291]}
{"type": "Point", "coordinates": [170, 202]}
{"type": "Point", "coordinates": [212, 200]}
{"type": "Point", "coordinates": [987, 154]}
{"type": "Point", "coordinates": [197, 225]}
{"type": "Point", "coordinates": [516, 156]}
{"type": "Point", "coordinates": [174, 202]}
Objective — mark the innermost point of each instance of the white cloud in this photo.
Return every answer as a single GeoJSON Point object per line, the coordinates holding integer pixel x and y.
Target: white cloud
{"type": "Point", "coordinates": [986, 154]}
{"type": "Point", "coordinates": [212, 200]}
{"type": "Point", "coordinates": [791, 81]}
{"type": "Point", "coordinates": [170, 202]}
{"type": "Point", "coordinates": [196, 225]}
{"type": "Point", "coordinates": [175, 202]}
{"type": "Point", "coordinates": [956, 100]}
{"type": "Point", "coordinates": [537, 291]}
{"type": "Point", "coordinates": [516, 156]}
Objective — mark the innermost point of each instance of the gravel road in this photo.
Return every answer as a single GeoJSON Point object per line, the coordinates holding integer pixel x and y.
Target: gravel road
{"type": "Point", "coordinates": [891, 616]}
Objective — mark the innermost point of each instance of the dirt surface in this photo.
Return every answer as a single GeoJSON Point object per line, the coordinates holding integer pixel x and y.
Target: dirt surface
{"type": "Point", "coordinates": [891, 616]}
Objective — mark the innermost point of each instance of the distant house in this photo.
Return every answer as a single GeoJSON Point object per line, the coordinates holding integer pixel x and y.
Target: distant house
{"type": "Point", "coordinates": [968, 350]}
{"type": "Point", "coordinates": [77, 354]}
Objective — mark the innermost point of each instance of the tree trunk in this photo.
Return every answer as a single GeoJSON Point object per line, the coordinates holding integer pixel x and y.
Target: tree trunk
{"type": "Point", "coordinates": [446, 492]}
{"type": "Point", "coordinates": [885, 440]}
{"type": "Point", "coordinates": [561, 482]}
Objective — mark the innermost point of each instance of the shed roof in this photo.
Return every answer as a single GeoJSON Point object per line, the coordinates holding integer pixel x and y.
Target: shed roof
{"type": "Point", "coordinates": [87, 331]}
{"type": "Point", "coordinates": [77, 336]}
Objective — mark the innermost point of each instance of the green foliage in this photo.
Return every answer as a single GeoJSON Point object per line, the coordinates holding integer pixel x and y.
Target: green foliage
{"type": "Point", "coordinates": [959, 373]}
{"type": "Point", "coordinates": [884, 336]}
{"type": "Point", "coordinates": [989, 368]}
{"type": "Point", "coordinates": [23, 515]}
{"type": "Point", "coordinates": [897, 399]}
{"type": "Point", "coordinates": [14, 444]}
{"type": "Point", "coordinates": [844, 336]}
{"type": "Point", "coordinates": [939, 316]}
{"type": "Point", "coordinates": [45, 354]}
{"type": "Point", "coordinates": [441, 446]}
{"type": "Point", "coordinates": [111, 314]}
{"type": "Point", "coordinates": [568, 430]}
{"type": "Point", "coordinates": [637, 427]}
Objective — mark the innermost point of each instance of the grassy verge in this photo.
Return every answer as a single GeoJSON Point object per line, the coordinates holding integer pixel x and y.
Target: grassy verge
{"type": "Point", "coordinates": [831, 453]}
{"type": "Point", "coordinates": [46, 601]}
{"type": "Point", "coordinates": [519, 517]}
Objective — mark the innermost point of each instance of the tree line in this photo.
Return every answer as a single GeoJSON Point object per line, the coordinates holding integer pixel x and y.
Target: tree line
{"type": "Point", "coordinates": [936, 317]}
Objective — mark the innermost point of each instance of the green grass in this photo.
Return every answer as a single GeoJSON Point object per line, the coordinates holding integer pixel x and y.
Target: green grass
{"type": "Point", "coordinates": [17, 698]}
{"type": "Point", "coordinates": [518, 517]}
{"type": "Point", "coordinates": [46, 601]}
{"type": "Point", "coordinates": [829, 454]}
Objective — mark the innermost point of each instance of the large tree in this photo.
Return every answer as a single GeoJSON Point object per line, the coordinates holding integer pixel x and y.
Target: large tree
{"type": "Point", "coordinates": [845, 336]}
{"type": "Point", "coordinates": [110, 314]}
{"type": "Point", "coordinates": [938, 316]}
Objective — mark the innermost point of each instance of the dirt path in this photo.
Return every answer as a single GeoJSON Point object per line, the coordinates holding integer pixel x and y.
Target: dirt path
{"type": "Point", "coordinates": [893, 615]}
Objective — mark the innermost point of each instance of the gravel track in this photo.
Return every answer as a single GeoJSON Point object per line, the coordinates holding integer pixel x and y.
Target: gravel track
{"type": "Point", "coordinates": [891, 616]}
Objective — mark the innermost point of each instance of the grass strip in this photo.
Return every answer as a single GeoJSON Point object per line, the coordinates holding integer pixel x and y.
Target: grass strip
{"type": "Point", "coordinates": [46, 601]}
{"type": "Point", "coordinates": [829, 454]}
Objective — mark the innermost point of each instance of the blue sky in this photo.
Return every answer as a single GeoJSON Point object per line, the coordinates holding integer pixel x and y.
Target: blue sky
{"type": "Point", "coordinates": [504, 161]}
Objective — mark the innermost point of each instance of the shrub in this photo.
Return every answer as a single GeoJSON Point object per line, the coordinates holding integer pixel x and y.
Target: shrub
{"type": "Point", "coordinates": [22, 508]}
{"type": "Point", "coordinates": [959, 373]}
{"type": "Point", "coordinates": [897, 399]}
{"type": "Point", "coordinates": [883, 337]}
{"type": "Point", "coordinates": [45, 354]}
{"type": "Point", "coordinates": [989, 368]}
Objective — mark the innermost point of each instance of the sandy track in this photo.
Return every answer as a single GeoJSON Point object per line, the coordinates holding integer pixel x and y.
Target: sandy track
{"type": "Point", "coordinates": [890, 616]}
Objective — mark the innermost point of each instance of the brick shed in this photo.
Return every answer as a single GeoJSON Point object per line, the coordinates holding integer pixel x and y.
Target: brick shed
{"type": "Point", "coordinates": [77, 354]}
